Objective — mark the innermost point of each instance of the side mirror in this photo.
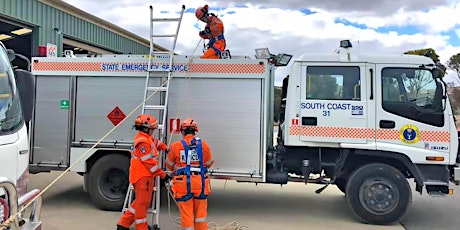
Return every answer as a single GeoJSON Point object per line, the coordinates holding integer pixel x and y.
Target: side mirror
{"type": "Point", "coordinates": [11, 54]}
{"type": "Point", "coordinates": [437, 73]}
{"type": "Point", "coordinates": [25, 82]}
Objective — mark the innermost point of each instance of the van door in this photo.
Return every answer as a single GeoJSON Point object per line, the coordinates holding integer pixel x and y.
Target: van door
{"type": "Point", "coordinates": [409, 113]}
{"type": "Point", "coordinates": [333, 104]}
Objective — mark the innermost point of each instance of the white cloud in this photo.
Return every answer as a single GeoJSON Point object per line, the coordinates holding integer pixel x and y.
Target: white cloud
{"type": "Point", "coordinates": [280, 26]}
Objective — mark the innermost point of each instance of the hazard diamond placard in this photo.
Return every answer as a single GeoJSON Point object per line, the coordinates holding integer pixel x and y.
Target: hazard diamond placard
{"type": "Point", "coordinates": [116, 116]}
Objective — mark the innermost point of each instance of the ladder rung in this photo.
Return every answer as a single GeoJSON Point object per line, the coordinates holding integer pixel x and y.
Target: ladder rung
{"type": "Point", "coordinates": [154, 107]}
{"type": "Point", "coordinates": [163, 35]}
{"type": "Point", "coordinates": [165, 19]}
{"type": "Point", "coordinates": [154, 88]}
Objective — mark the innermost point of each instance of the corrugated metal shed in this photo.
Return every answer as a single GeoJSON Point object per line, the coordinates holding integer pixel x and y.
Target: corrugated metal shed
{"type": "Point", "coordinates": [55, 20]}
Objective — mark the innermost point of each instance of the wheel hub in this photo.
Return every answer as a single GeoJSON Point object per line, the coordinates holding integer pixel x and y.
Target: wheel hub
{"type": "Point", "coordinates": [114, 184]}
{"type": "Point", "coordinates": [379, 196]}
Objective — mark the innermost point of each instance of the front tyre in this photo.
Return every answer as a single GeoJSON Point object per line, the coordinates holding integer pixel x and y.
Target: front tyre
{"type": "Point", "coordinates": [378, 194]}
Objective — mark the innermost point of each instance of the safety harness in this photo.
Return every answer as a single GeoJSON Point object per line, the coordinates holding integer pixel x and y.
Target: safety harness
{"type": "Point", "coordinates": [213, 40]}
{"type": "Point", "coordinates": [195, 144]}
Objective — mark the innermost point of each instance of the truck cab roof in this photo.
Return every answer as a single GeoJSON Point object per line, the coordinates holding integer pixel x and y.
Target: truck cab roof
{"type": "Point", "coordinates": [349, 55]}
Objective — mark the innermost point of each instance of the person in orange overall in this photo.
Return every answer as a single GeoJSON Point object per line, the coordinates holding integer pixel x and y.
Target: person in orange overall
{"type": "Point", "coordinates": [189, 160]}
{"type": "Point", "coordinates": [144, 167]}
{"type": "Point", "coordinates": [214, 31]}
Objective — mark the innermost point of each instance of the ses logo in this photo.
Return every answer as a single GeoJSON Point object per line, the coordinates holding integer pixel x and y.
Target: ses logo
{"type": "Point", "coordinates": [357, 110]}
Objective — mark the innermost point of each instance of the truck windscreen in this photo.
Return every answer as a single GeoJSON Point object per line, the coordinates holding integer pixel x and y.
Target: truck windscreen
{"type": "Point", "coordinates": [10, 108]}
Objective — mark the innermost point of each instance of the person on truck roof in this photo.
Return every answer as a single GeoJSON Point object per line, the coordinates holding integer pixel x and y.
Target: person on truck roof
{"type": "Point", "coordinates": [189, 159]}
{"type": "Point", "coordinates": [143, 168]}
{"type": "Point", "coordinates": [214, 31]}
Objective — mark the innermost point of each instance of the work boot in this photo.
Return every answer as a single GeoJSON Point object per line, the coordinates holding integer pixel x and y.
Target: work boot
{"type": "Point", "coordinates": [119, 227]}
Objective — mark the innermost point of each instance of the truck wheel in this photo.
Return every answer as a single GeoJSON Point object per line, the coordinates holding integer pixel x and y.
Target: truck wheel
{"type": "Point", "coordinates": [108, 182]}
{"type": "Point", "coordinates": [341, 184]}
{"type": "Point", "coordinates": [378, 194]}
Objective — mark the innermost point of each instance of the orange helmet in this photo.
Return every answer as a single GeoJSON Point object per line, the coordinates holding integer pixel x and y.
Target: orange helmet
{"type": "Point", "coordinates": [201, 12]}
{"type": "Point", "coordinates": [189, 123]}
{"type": "Point", "coordinates": [146, 120]}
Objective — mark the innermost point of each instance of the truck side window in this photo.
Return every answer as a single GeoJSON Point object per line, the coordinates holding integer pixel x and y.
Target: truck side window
{"type": "Point", "coordinates": [333, 83]}
{"type": "Point", "coordinates": [410, 93]}
{"type": "Point", "coordinates": [11, 117]}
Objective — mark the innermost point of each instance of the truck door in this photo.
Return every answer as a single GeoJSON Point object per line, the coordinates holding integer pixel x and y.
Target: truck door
{"type": "Point", "coordinates": [333, 103]}
{"type": "Point", "coordinates": [409, 113]}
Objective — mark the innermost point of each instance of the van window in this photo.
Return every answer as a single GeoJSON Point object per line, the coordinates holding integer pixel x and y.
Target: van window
{"type": "Point", "coordinates": [412, 93]}
{"type": "Point", "coordinates": [11, 117]}
{"type": "Point", "coordinates": [333, 83]}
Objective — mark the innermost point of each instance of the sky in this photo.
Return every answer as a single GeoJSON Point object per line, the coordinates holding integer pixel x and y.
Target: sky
{"type": "Point", "coordinates": [298, 26]}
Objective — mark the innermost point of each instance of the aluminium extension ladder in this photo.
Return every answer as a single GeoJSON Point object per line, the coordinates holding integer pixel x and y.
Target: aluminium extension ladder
{"type": "Point", "coordinates": [157, 82]}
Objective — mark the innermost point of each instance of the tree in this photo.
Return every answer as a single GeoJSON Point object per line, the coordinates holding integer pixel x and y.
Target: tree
{"type": "Point", "coordinates": [454, 63]}
{"type": "Point", "coordinates": [431, 53]}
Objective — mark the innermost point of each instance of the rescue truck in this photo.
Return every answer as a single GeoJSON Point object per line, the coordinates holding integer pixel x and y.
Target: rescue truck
{"type": "Point", "coordinates": [16, 106]}
{"type": "Point", "coordinates": [365, 123]}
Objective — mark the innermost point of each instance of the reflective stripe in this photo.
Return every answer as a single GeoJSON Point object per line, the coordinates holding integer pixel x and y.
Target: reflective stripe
{"type": "Point", "coordinates": [140, 221]}
{"type": "Point", "coordinates": [209, 162]}
{"type": "Point", "coordinates": [146, 157]}
{"type": "Point", "coordinates": [192, 169]}
{"type": "Point", "coordinates": [131, 210]}
{"type": "Point", "coordinates": [154, 168]}
{"type": "Point", "coordinates": [199, 220]}
{"type": "Point", "coordinates": [189, 228]}
{"type": "Point", "coordinates": [169, 162]}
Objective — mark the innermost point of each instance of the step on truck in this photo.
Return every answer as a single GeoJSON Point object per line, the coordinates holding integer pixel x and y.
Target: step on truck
{"type": "Point", "coordinates": [365, 123]}
{"type": "Point", "coordinates": [16, 106]}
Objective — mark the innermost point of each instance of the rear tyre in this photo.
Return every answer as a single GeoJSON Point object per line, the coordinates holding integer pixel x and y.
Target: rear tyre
{"type": "Point", "coordinates": [378, 194]}
{"type": "Point", "coordinates": [108, 182]}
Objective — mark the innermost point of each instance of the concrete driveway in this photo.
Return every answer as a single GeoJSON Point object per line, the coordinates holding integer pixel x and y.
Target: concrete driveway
{"type": "Point", "coordinates": [265, 206]}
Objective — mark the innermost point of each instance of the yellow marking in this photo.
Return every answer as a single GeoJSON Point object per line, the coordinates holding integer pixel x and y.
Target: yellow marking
{"type": "Point", "coordinates": [3, 75]}
{"type": "Point", "coordinates": [4, 95]}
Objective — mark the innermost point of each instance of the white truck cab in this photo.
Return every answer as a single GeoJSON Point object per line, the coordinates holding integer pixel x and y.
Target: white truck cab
{"type": "Point", "coordinates": [366, 123]}
{"type": "Point", "coordinates": [16, 105]}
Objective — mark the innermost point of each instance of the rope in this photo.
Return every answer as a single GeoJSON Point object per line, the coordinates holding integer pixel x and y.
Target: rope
{"type": "Point", "coordinates": [211, 225]}
{"type": "Point", "coordinates": [231, 226]}
{"type": "Point", "coordinates": [9, 221]}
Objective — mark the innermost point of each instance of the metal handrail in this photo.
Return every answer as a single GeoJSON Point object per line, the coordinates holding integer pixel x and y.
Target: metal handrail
{"type": "Point", "coordinates": [11, 197]}
{"type": "Point", "coordinates": [14, 203]}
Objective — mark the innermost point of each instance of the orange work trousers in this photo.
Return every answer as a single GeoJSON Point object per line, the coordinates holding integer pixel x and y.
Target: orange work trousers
{"type": "Point", "coordinates": [137, 211]}
{"type": "Point", "coordinates": [211, 53]}
{"type": "Point", "coordinates": [193, 212]}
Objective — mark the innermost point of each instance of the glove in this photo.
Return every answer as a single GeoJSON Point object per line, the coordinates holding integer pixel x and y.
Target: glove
{"type": "Point", "coordinates": [163, 174]}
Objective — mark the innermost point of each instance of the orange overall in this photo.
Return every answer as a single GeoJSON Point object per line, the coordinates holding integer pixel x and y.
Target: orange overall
{"type": "Point", "coordinates": [189, 159]}
{"type": "Point", "coordinates": [144, 167]}
{"type": "Point", "coordinates": [214, 31]}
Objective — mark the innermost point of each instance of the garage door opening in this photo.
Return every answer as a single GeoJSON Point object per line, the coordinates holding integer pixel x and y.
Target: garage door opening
{"type": "Point", "coordinates": [81, 49]}
{"type": "Point", "coordinates": [17, 38]}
